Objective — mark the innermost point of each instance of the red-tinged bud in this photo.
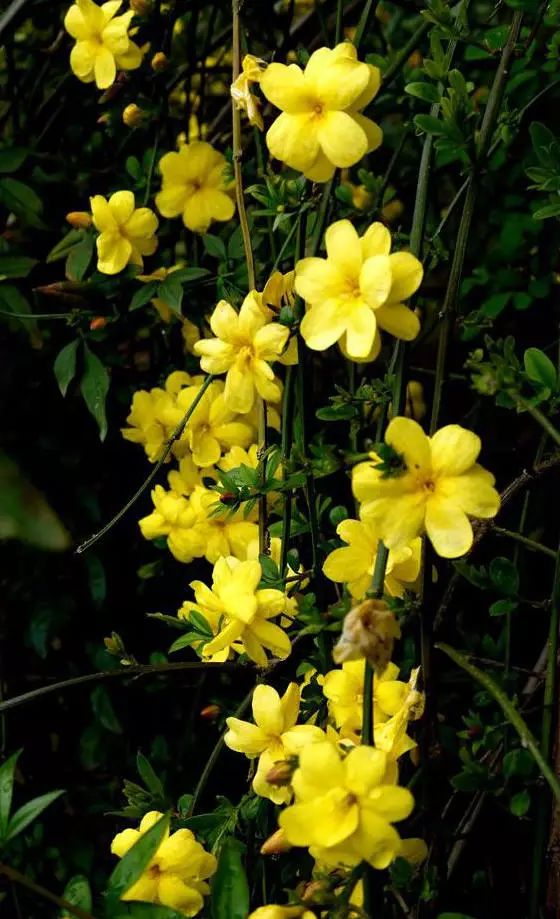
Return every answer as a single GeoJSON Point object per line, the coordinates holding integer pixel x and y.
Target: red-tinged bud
{"type": "Point", "coordinates": [80, 220]}
{"type": "Point", "coordinates": [210, 712]}
{"type": "Point", "coordinates": [281, 773]}
{"type": "Point", "coordinates": [98, 322]}
{"type": "Point", "coordinates": [159, 62]}
{"type": "Point", "coordinates": [141, 7]}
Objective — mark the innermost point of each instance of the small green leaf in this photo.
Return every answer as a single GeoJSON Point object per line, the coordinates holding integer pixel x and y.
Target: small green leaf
{"type": "Point", "coordinates": [502, 607]}
{"type": "Point", "coordinates": [79, 258]}
{"type": "Point", "coordinates": [340, 412]}
{"type": "Point", "coordinates": [104, 711]}
{"type": "Point", "coordinates": [21, 199]}
{"type": "Point", "coordinates": [11, 158]}
{"type": "Point", "coordinates": [65, 365]}
{"type": "Point", "coordinates": [337, 514]}
{"type": "Point", "coordinates": [518, 762]}
{"type": "Point", "coordinates": [425, 91]}
{"type": "Point", "coordinates": [540, 368]}
{"type": "Point", "coordinates": [15, 266]}
{"type": "Point", "coordinates": [148, 776]}
{"type": "Point", "coordinates": [7, 771]}
{"type": "Point", "coordinates": [504, 576]}
{"type": "Point", "coordinates": [545, 144]}
{"type": "Point", "coordinates": [230, 890]}
{"type": "Point", "coordinates": [94, 386]}
{"type": "Point", "coordinates": [549, 210]}
{"type": "Point", "coordinates": [131, 865]}
{"type": "Point", "coordinates": [430, 125]}
{"type": "Point", "coordinates": [143, 295]}
{"type": "Point", "coordinates": [215, 247]}
{"type": "Point", "coordinates": [189, 275]}
{"type": "Point", "coordinates": [29, 812]}
{"type": "Point", "coordinates": [520, 803]}
{"type": "Point", "coordinates": [78, 892]}
{"type": "Point", "coordinates": [66, 244]}
{"type": "Point", "coordinates": [171, 292]}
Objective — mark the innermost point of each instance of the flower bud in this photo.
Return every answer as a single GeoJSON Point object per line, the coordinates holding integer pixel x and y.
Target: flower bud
{"type": "Point", "coordinates": [141, 7]}
{"type": "Point", "coordinates": [210, 712]}
{"type": "Point", "coordinates": [276, 844]}
{"type": "Point", "coordinates": [98, 322]}
{"type": "Point", "coordinates": [317, 893]}
{"type": "Point", "coordinates": [369, 631]}
{"type": "Point", "coordinates": [159, 62]}
{"type": "Point", "coordinates": [133, 115]}
{"type": "Point", "coordinates": [80, 220]}
{"type": "Point", "coordinates": [281, 773]}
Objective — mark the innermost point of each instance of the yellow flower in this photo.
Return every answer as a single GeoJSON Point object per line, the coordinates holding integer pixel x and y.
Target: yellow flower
{"type": "Point", "coordinates": [245, 344]}
{"type": "Point", "coordinates": [357, 290]}
{"type": "Point", "coordinates": [194, 186]}
{"type": "Point", "coordinates": [344, 689]}
{"type": "Point", "coordinates": [273, 911]}
{"type": "Point", "coordinates": [354, 563]}
{"type": "Point", "coordinates": [343, 807]}
{"type": "Point", "coordinates": [239, 612]}
{"type": "Point", "coordinates": [176, 875]}
{"type": "Point", "coordinates": [221, 535]}
{"type": "Point", "coordinates": [160, 274]}
{"type": "Point", "coordinates": [126, 233]}
{"type": "Point", "coordinates": [320, 127]}
{"type": "Point", "coordinates": [153, 417]}
{"type": "Point", "coordinates": [274, 737]}
{"type": "Point", "coordinates": [188, 475]}
{"type": "Point", "coordinates": [174, 518]}
{"type": "Point", "coordinates": [362, 199]}
{"type": "Point", "coordinates": [368, 630]}
{"type": "Point", "coordinates": [251, 71]}
{"type": "Point", "coordinates": [102, 42]}
{"type": "Point", "coordinates": [440, 484]}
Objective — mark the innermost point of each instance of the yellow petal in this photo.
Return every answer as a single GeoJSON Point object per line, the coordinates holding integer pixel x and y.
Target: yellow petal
{"type": "Point", "coordinates": [176, 853]}
{"type": "Point", "coordinates": [344, 249]}
{"type": "Point", "coordinates": [376, 840]}
{"type": "Point", "coordinates": [318, 279]}
{"type": "Point", "coordinates": [267, 710]}
{"type": "Point", "coordinates": [320, 769]}
{"type": "Point", "coordinates": [104, 68]}
{"type": "Point", "coordinates": [448, 528]}
{"type": "Point", "coordinates": [473, 492]}
{"type": "Point", "coordinates": [400, 518]}
{"type": "Point", "coordinates": [121, 205]}
{"type": "Point", "coordinates": [75, 24]}
{"type": "Point", "coordinates": [240, 389]}
{"type": "Point", "coordinates": [342, 139]}
{"type": "Point", "coordinates": [376, 241]}
{"type": "Point", "coordinates": [82, 60]}
{"type": "Point", "coordinates": [244, 737]}
{"type": "Point", "coordinates": [103, 219]}
{"type": "Point", "coordinates": [370, 91]}
{"type": "Point", "coordinates": [206, 205]}
{"type": "Point", "coordinates": [124, 841]}
{"type": "Point", "coordinates": [323, 325]}
{"type": "Point", "coordinates": [372, 131]}
{"type": "Point", "coordinates": [272, 637]}
{"type": "Point", "coordinates": [173, 892]}
{"type": "Point", "coordinates": [113, 253]}
{"type": "Point", "coordinates": [361, 329]}
{"type": "Point", "coordinates": [290, 705]}
{"type": "Point", "coordinates": [294, 140]}
{"type": "Point", "coordinates": [143, 222]}
{"type": "Point", "coordinates": [284, 86]}
{"type": "Point", "coordinates": [407, 273]}
{"type": "Point", "coordinates": [341, 84]}
{"type": "Point", "coordinates": [398, 320]}
{"type": "Point", "coordinates": [391, 801]}
{"type": "Point", "coordinates": [375, 280]}
{"type": "Point", "coordinates": [454, 450]}
{"type": "Point", "coordinates": [409, 440]}
{"type": "Point", "coordinates": [170, 201]}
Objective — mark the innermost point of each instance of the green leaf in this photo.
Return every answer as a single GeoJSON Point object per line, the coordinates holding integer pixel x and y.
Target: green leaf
{"type": "Point", "coordinates": [13, 301]}
{"type": "Point", "coordinates": [171, 292]}
{"type": "Point", "coordinates": [11, 158]}
{"type": "Point", "coordinates": [540, 368]}
{"type": "Point", "coordinates": [518, 762]}
{"type": "Point", "coordinates": [143, 295]}
{"type": "Point", "coordinates": [104, 711]}
{"type": "Point", "coordinates": [94, 386]}
{"type": "Point", "coordinates": [545, 144]}
{"type": "Point", "coordinates": [15, 266]}
{"type": "Point", "coordinates": [502, 607]}
{"type": "Point", "coordinates": [131, 865]}
{"type": "Point", "coordinates": [185, 641]}
{"type": "Point", "coordinates": [29, 812]}
{"type": "Point", "coordinates": [79, 258]}
{"type": "Point", "coordinates": [549, 210]}
{"type": "Point", "coordinates": [66, 244]}
{"type": "Point", "coordinates": [340, 412]}
{"type": "Point", "coordinates": [148, 776]}
{"type": "Point", "coordinates": [7, 771]}
{"type": "Point", "coordinates": [520, 803]}
{"type": "Point", "coordinates": [65, 365]}
{"type": "Point", "coordinates": [215, 247]}
{"type": "Point", "coordinates": [21, 199]}
{"type": "Point", "coordinates": [430, 125]}
{"type": "Point", "coordinates": [230, 890]}
{"type": "Point", "coordinates": [78, 892]}
{"type": "Point", "coordinates": [269, 568]}
{"type": "Point", "coordinates": [425, 91]}
{"type": "Point", "coordinates": [24, 513]}
{"type": "Point", "coordinates": [504, 576]}
{"type": "Point", "coordinates": [188, 275]}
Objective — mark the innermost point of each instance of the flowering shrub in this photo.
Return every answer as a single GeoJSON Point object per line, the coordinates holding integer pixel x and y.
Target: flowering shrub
{"type": "Point", "coordinates": [310, 284]}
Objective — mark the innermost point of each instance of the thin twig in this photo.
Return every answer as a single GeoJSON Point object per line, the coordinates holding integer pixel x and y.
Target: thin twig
{"type": "Point", "coordinates": [18, 878]}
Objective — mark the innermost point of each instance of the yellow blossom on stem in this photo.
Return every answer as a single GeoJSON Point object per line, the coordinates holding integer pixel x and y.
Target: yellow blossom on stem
{"type": "Point", "coordinates": [240, 612]}
{"type": "Point", "coordinates": [273, 911]}
{"type": "Point", "coordinates": [321, 127]}
{"type": "Point", "coordinates": [176, 875]}
{"type": "Point", "coordinates": [354, 564]}
{"type": "Point", "coordinates": [153, 419]}
{"type": "Point", "coordinates": [102, 44]}
{"type": "Point", "coordinates": [343, 809]}
{"type": "Point", "coordinates": [221, 535]}
{"type": "Point", "coordinates": [344, 690]}
{"type": "Point", "coordinates": [251, 72]}
{"type": "Point", "coordinates": [274, 737]}
{"type": "Point", "coordinates": [356, 290]}
{"type": "Point", "coordinates": [174, 518]}
{"type": "Point", "coordinates": [194, 186]}
{"type": "Point", "coordinates": [435, 488]}
{"type": "Point", "coordinates": [126, 233]}
{"type": "Point", "coordinates": [245, 345]}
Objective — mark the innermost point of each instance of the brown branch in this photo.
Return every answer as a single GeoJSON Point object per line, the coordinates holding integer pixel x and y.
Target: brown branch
{"type": "Point", "coordinates": [18, 878]}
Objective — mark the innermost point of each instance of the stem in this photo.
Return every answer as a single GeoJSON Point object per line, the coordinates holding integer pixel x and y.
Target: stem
{"type": "Point", "coordinates": [177, 434]}
{"type": "Point", "coordinates": [286, 444]}
{"type": "Point", "coordinates": [18, 878]}
{"type": "Point", "coordinates": [134, 670]}
{"type": "Point", "coordinates": [528, 740]}
{"type": "Point", "coordinates": [404, 54]}
{"type": "Point", "coordinates": [338, 27]}
{"type": "Point", "coordinates": [362, 26]}
{"type": "Point", "coordinates": [545, 424]}
{"type": "Point", "coordinates": [525, 541]}
{"type": "Point", "coordinates": [213, 758]}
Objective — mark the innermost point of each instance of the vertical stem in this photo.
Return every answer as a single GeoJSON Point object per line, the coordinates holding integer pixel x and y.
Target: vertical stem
{"type": "Point", "coordinates": [362, 26]}
{"type": "Point", "coordinates": [286, 444]}
{"type": "Point", "coordinates": [338, 27]}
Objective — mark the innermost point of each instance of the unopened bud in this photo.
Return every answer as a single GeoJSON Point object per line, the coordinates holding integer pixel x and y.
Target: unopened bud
{"type": "Point", "coordinates": [133, 115]}
{"type": "Point", "coordinates": [276, 844]}
{"type": "Point", "coordinates": [369, 631]}
{"type": "Point", "coordinates": [98, 322]}
{"type": "Point", "coordinates": [317, 893]}
{"type": "Point", "coordinates": [80, 220]}
{"type": "Point", "coordinates": [141, 7]}
{"type": "Point", "coordinates": [114, 644]}
{"type": "Point", "coordinates": [103, 119]}
{"type": "Point", "coordinates": [281, 773]}
{"type": "Point", "coordinates": [210, 712]}
{"type": "Point", "coordinates": [159, 62]}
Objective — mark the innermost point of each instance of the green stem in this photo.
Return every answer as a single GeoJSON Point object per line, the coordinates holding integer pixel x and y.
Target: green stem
{"type": "Point", "coordinates": [525, 541]}
{"type": "Point", "coordinates": [286, 444]}
{"type": "Point", "coordinates": [541, 419]}
{"type": "Point", "coordinates": [404, 54]}
{"type": "Point", "coordinates": [339, 17]}
{"type": "Point", "coordinates": [528, 740]}
{"type": "Point", "coordinates": [18, 878]}
{"type": "Point", "coordinates": [177, 434]}
{"type": "Point", "coordinates": [363, 24]}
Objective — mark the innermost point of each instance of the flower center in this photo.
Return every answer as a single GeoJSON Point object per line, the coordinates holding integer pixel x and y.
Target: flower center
{"type": "Point", "coordinates": [245, 355]}
{"type": "Point", "coordinates": [318, 110]}
{"type": "Point", "coordinates": [154, 872]}
{"type": "Point", "coordinates": [426, 484]}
